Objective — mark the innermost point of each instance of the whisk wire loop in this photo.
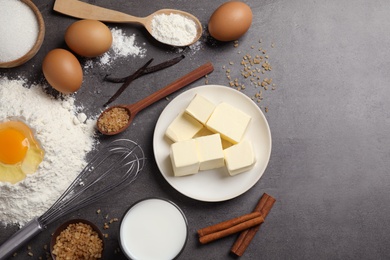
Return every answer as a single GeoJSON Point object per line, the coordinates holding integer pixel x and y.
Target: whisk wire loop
{"type": "Point", "coordinates": [115, 166]}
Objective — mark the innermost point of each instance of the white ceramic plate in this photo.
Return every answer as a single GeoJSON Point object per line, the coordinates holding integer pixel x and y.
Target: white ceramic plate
{"type": "Point", "coordinates": [214, 185]}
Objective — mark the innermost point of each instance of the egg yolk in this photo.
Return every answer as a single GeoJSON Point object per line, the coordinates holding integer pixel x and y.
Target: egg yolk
{"type": "Point", "coordinates": [20, 153]}
{"type": "Point", "coordinates": [13, 146]}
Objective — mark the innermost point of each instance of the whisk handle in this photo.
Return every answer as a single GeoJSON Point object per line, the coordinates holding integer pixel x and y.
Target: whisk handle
{"type": "Point", "coordinates": [21, 237]}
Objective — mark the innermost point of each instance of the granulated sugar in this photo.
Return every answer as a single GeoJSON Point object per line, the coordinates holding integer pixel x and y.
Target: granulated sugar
{"type": "Point", "coordinates": [123, 46]}
{"type": "Point", "coordinates": [66, 137]}
{"type": "Point", "coordinates": [18, 30]}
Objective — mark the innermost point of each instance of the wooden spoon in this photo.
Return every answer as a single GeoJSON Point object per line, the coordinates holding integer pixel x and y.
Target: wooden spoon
{"type": "Point", "coordinates": [130, 111]}
{"type": "Point", "coordinates": [83, 10]}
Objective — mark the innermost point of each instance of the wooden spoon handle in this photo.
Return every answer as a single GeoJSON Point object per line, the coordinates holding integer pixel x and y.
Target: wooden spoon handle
{"type": "Point", "coordinates": [83, 10]}
{"type": "Point", "coordinates": [174, 86]}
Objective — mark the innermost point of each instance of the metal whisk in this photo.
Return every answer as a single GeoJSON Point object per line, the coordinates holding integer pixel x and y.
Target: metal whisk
{"type": "Point", "coordinates": [115, 166]}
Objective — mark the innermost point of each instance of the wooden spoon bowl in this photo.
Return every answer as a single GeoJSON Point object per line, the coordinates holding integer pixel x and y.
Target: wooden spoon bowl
{"type": "Point", "coordinates": [147, 22]}
{"type": "Point", "coordinates": [38, 43]}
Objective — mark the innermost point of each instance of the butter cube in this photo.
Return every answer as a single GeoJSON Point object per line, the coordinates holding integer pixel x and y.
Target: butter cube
{"type": "Point", "coordinates": [200, 108]}
{"type": "Point", "coordinates": [239, 158]}
{"type": "Point", "coordinates": [204, 132]}
{"type": "Point", "coordinates": [183, 127]}
{"type": "Point", "coordinates": [210, 152]}
{"type": "Point", "coordinates": [229, 121]}
{"type": "Point", "coordinates": [184, 157]}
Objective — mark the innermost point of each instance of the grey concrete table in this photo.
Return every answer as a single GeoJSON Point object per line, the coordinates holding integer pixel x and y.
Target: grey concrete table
{"type": "Point", "coordinates": [329, 114]}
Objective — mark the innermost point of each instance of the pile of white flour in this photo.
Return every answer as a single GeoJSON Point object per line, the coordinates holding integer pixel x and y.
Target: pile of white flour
{"type": "Point", "coordinates": [66, 137]}
{"type": "Point", "coordinates": [123, 46]}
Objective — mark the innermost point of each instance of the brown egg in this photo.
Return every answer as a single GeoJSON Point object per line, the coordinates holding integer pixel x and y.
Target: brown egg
{"type": "Point", "coordinates": [63, 71]}
{"type": "Point", "coordinates": [230, 21]}
{"type": "Point", "coordinates": [88, 38]}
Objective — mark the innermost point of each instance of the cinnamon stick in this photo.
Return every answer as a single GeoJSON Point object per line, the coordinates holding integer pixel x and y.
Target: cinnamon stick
{"type": "Point", "coordinates": [264, 206]}
{"type": "Point", "coordinates": [229, 227]}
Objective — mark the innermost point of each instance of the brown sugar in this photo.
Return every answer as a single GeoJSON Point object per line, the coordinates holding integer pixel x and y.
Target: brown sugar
{"type": "Point", "coordinates": [113, 120]}
{"type": "Point", "coordinates": [78, 241]}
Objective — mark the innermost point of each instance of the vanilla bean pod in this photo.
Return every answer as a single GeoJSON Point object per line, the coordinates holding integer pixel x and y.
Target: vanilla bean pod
{"type": "Point", "coordinates": [128, 81]}
{"type": "Point", "coordinates": [151, 69]}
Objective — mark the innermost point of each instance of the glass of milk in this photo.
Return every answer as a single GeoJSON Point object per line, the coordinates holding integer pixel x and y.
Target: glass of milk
{"type": "Point", "coordinates": [153, 229]}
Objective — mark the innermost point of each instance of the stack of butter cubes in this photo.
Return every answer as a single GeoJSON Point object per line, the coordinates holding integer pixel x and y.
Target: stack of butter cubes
{"type": "Point", "coordinates": [206, 136]}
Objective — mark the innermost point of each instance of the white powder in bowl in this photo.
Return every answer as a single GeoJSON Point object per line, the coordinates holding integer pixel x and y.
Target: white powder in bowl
{"type": "Point", "coordinates": [66, 137]}
{"type": "Point", "coordinates": [19, 29]}
{"type": "Point", "coordinates": [173, 29]}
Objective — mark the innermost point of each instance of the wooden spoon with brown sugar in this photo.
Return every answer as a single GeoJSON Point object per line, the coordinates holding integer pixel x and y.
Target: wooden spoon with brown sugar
{"type": "Point", "coordinates": [116, 119]}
